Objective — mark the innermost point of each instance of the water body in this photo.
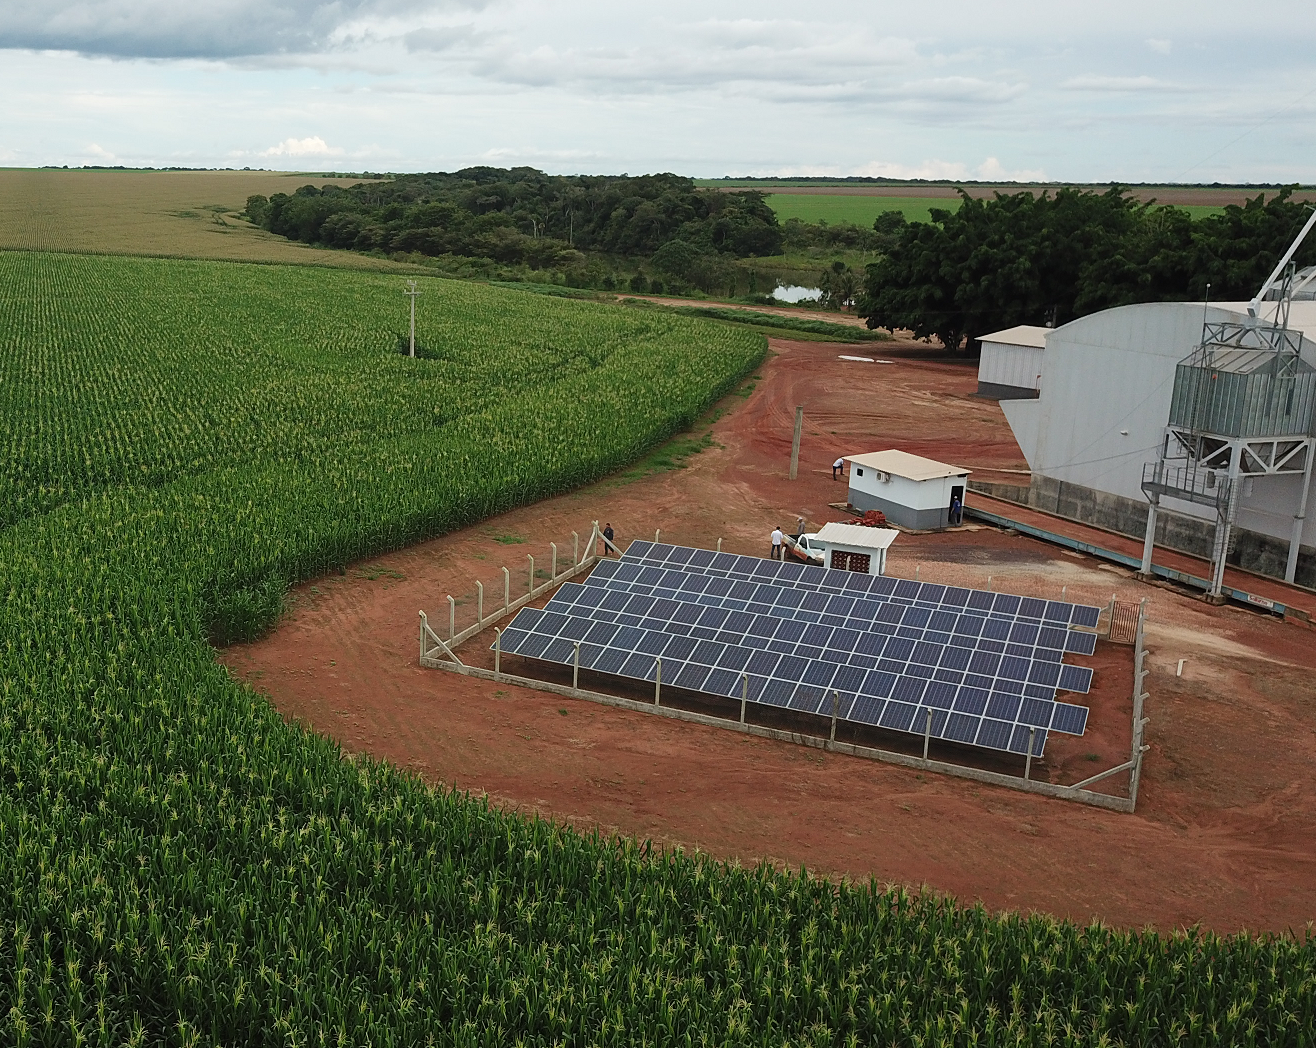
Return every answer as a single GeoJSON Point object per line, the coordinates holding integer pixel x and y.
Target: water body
{"type": "Point", "coordinates": [796, 293]}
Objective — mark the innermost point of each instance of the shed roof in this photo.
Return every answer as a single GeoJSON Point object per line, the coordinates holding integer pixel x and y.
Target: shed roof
{"type": "Point", "coordinates": [903, 464]}
{"type": "Point", "coordinates": [857, 535]}
{"type": "Point", "coordinates": [1021, 335]}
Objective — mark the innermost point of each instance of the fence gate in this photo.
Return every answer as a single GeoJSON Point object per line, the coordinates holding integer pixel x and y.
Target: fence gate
{"type": "Point", "coordinates": [1123, 622]}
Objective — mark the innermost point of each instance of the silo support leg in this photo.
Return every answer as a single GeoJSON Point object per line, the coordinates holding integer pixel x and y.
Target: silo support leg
{"type": "Point", "coordinates": [1299, 519]}
{"type": "Point", "coordinates": [1149, 541]}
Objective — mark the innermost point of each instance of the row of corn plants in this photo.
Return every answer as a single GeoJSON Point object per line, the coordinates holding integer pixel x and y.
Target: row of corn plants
{"type": "Point", "coordinates": [179, 866]}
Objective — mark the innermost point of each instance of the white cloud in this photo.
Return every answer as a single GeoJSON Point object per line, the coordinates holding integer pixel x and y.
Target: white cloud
{"type": "Point", "coordinates": [314, 146]}
{"type": "Point", "coordinates": [1161, 47]}
{"type": "Point", "coordinates": [99, 153]}
{"type": "Point", "coordinates": [1120, 84]}
{"type": "Point", "coordinates": [990, 170]}
{"type": "Point", "coordinates": [441, 38]}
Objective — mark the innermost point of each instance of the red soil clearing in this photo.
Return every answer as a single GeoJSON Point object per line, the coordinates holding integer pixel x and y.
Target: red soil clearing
{"type": "Point", "coordinates": [1225, 819]}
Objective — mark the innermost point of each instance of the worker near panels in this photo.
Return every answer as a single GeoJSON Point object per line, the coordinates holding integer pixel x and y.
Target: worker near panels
{"type": "Point", "coordinates": [956, 511]}
{"type": "Point", "coordinates": [777, 539]}
{"type": "Point", "coordinates": [838, 468]}
{"type": "Point", "coordinates": [607, 539]}
{"type": "Point", "coordinates": [799, 526]}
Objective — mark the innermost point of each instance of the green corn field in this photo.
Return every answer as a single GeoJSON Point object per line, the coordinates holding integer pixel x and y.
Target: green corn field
{"type": "Point", "coordinates": [178, 866]}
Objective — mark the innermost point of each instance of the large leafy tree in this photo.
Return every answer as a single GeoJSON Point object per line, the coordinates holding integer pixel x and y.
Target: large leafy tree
{"type": "Point", "coordinates": [1031, 259]}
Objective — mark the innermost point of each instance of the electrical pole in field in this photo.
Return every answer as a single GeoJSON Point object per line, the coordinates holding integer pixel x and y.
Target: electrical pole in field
{"type": "Point", "coordinates": [412, 293]}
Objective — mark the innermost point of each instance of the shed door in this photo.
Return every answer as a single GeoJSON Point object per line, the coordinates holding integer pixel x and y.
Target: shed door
{"type": "Point", "coordinates": [859, 562]}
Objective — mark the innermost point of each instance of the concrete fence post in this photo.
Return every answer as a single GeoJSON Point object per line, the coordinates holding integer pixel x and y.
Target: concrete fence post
{"type": "Point", "coordinates": [744, 695]}
{"type": "Point", "coordinates": [479, 602]}
{"type": "Point", "coordinates": [575, 668]}
{"type": "Point", "coordinates": [575, 549]}
{"type": "Point", "coordinates": [532, 573]}
{"type": "Point", "coordinates": [507, 589]}
{"type": "Point", "coordinates": [657, 682]}
{"type": "Point", "coordinates": [836, 707]}
{"type": "Point", "coordinates": [1028, 764]}
{"type": "Point", "coordinates": [553, 571]}
{"type": "Point", "coordinates": [927, 733]}
{"type": "Point", "coordinates": [719, 544]}
{"type": "Point", "coordinates": [452, 618]}
{"type": "Point", "coordinates": [657, 532]}
{"type": "Point", "coordinates": [498, 652]}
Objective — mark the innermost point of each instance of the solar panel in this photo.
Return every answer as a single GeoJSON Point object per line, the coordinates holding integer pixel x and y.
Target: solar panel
{"type": "Point", "coordinates": [778, 675]}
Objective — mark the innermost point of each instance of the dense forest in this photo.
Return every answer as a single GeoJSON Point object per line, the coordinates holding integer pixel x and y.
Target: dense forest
{"type": "Point", "coordinates": [1032, 259]}
{"type": "Point", "coordinates": [598, 230]}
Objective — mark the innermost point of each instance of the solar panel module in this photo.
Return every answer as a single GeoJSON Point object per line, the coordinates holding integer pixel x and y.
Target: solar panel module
{"type": "Point", "coordinates": [967, 666]}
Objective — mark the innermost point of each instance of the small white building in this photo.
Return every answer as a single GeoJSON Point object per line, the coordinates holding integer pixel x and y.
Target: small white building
{"type": "Point", "coordinates": [853, 547]}
{"type": "Point", "coordinates": [1010, 367]}
{"type": "Point", "coordinates": [914, 492]}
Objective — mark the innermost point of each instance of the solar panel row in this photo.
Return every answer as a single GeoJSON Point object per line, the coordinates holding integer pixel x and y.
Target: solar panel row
{"type": "Point", "coordinates": [775, 670]}
{"type": "Point", "coordinates": [1016, 638]}
{"type": "Point", "coordinates": [879, 587]}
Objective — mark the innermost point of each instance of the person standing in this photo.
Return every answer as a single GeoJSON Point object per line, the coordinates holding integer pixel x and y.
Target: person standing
{"type": "Point", "coordinates": [956, 511]}
{"type": "Point", "coordinates": [799, 526]}
{"type": "Point", "coordinates": [777, 539]}
{"type": "Point", "coordinates": [607, 540]}
{"type": "Point", "coordinates": [838, 468]}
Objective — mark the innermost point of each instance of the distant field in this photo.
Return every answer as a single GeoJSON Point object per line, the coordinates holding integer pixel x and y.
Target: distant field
{"type": "Point", "coordinates": [862, 210]}
{"type": "Point", "coordinates": [178, 214]}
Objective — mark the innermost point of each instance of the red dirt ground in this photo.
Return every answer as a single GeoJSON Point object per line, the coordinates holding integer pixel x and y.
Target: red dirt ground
{"type": "Point", "coordinates": [1226, 816]}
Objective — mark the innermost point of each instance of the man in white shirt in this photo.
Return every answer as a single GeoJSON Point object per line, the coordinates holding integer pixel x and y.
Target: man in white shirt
{"type": "Point", "coordinates": [777, 539]}
{"type": "Point", "coordinates": [838, 468]}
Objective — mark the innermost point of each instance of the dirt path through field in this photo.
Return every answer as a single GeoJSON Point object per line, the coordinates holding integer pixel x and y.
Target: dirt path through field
{"type": "Point", "coordinates": [1224, 831]}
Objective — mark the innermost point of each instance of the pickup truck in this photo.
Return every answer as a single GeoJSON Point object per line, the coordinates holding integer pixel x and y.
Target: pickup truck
{"type": "Point", "coordinates": [806, 548]}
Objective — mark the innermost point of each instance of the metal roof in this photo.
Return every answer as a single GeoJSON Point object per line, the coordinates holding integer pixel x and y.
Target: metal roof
{"type": "Point", "coordinates": [903, 464]}
{"type": "Point", "coordinates": [857, 535]}
{"type": "Point", "coordinates": [1021, 335]}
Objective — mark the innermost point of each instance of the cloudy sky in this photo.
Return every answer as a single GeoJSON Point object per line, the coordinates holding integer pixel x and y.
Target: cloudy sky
{"type": "Point", "coordinates": [1130, 90]}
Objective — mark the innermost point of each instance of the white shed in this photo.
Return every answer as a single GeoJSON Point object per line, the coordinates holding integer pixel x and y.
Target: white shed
{"type": "Point", "coordinates": [914, 492]}
{"type": "Point", "coordinates": [1010, 367]}
{"type": "Point", "coordinates": [852, 547]}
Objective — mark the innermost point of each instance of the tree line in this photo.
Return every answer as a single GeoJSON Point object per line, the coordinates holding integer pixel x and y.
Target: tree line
{"type": "Point", "coordinates": [1033, 259]}
{"type": "Point", "coordinates": [523, 217]}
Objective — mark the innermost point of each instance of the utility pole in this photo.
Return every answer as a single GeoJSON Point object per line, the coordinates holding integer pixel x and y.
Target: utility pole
{"type": "Point", "coordinates": [412, 293]}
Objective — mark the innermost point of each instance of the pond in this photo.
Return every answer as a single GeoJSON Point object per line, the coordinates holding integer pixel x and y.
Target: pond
{"type": "Point", "coordinates": [796, 293]}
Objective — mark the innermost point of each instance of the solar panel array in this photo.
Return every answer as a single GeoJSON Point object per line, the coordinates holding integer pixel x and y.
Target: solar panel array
{"type": "Point", "coordinates": [985, 666]}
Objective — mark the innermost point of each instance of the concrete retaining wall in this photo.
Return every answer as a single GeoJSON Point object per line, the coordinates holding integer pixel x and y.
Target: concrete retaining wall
{"type": "Point", "coordinates": [1252, 551]}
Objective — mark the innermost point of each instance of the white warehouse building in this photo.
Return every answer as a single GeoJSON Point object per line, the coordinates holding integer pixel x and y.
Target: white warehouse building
{"type": "Point", "coordinates": [1122, 392]}
{"type": "Point", "coordinates": [1010, 367]}
{"type": "Point", "coordinates": [914, 492]}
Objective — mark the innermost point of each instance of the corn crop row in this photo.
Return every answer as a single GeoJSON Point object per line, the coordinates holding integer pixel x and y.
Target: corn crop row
{"type": "Point", "coordinates": [178, 866]}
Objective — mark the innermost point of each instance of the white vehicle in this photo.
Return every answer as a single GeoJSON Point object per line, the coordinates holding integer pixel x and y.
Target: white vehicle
{"type": "Point", "coordinates": [806, 547]}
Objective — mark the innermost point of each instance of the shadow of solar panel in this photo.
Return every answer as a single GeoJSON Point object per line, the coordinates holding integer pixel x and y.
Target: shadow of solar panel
{"type": "Point", "coordinates": [1081, 643]}
{"type": "Point", "coordinates": [867, 710]}
{"type": "Point", "coordinates": [898, 715]}
{"type": "Point", "coordinates": [1075, 678]}
{"type": "Point", "coordinates": [961, 728]}
{"type": "Point", "coordinates": [1019, 740]}
{"type": "Point", "coordinates": [1072, 720]}
{"type": "Point", "coordinates": [994, 734]}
